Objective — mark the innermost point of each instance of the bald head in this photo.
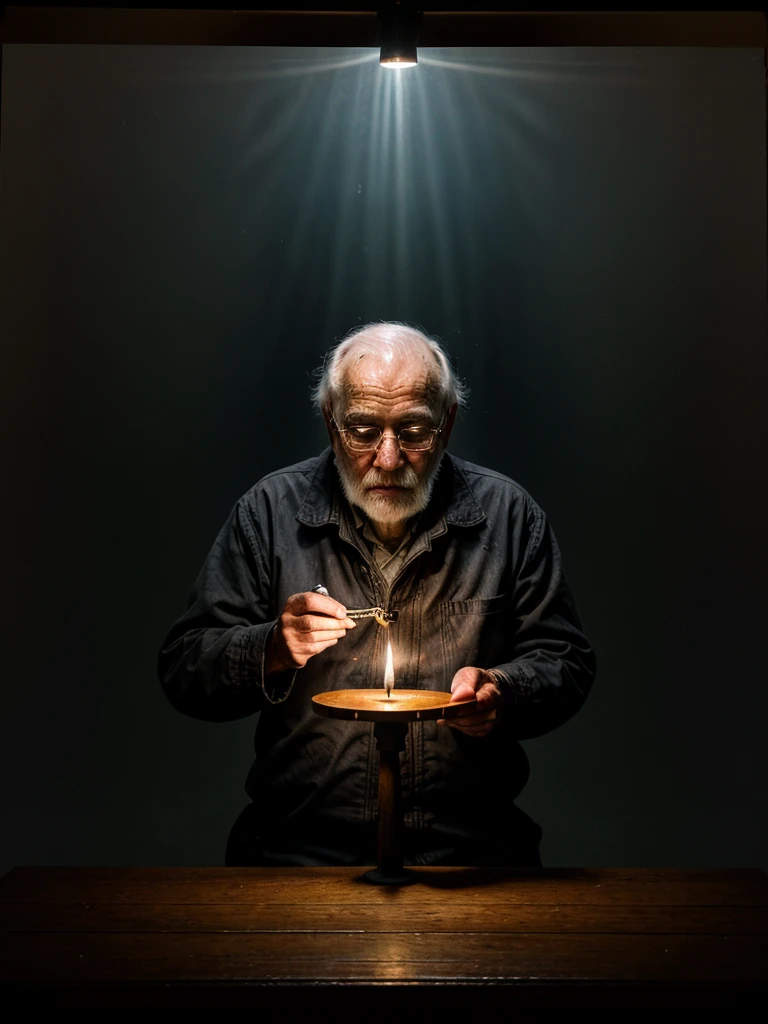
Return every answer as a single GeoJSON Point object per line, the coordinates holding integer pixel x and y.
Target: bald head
{"type": "Point", "coordinates": [385, 358]}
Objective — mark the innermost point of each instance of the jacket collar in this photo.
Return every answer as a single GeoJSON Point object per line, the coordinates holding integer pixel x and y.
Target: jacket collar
{"type": "Point", "coordinates": [452, 498]}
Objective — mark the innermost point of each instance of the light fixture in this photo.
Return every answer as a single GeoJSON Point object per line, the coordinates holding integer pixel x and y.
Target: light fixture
{"type": "Point", "coordinates": [399, 31]}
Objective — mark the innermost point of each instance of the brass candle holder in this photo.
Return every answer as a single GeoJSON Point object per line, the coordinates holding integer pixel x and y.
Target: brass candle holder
{"type": "Point", "coordinates": [390, 715]}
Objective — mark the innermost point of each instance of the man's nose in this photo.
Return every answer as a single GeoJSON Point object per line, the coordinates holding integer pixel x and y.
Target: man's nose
{"type": "Point", "coordinates": [388, 456]}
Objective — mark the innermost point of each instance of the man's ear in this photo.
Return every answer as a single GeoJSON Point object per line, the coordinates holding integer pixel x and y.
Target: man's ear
{"type": "Point", "coordinates": [450, 419]}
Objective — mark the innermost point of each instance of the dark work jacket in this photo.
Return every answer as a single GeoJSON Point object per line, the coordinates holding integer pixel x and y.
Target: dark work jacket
{"type": "Point", "coordinates": [482, 585]}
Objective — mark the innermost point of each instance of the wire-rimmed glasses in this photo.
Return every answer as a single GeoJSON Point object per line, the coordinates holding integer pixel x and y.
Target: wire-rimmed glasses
{"type": "Point", "coordinates": [367, 438]}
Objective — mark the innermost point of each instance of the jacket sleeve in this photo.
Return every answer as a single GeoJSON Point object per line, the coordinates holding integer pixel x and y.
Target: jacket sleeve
{"type": "Point", "coordinates": [553, 667]}
{"type": "Point", "coordinates": [211, 663]}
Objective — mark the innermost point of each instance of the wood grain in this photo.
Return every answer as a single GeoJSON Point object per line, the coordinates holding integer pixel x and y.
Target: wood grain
{"type": "Point", "coordinates": [319, 940]}
{"type": "Point", "coordinates": [577, 886]}
{"type": "Point", "coordinates": [52, 957]}
{"type": "Point", "coordinates": [458, 919]}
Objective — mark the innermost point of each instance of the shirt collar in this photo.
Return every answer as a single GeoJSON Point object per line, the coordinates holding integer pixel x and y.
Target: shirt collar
{"type": "Point", "coordinates": [452, 498]}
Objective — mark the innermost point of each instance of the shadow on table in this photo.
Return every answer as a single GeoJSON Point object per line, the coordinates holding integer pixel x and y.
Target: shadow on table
{"type": "Point", "coordinates": [471, 877]}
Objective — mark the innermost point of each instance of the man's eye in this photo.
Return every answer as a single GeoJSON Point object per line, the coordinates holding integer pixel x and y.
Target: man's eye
{"type": "Point", "coordinates": [415, 434]}
{"type": "Point", "coordinates": [363, 433]}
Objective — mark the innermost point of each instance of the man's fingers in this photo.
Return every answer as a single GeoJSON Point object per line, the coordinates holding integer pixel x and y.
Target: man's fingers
{"type": "Point", "coordinates": [303, 645]}
{"type": "Point", "coordinates": [322, 636]}
{"type": "Point", "coordinates": [468, 726]}
{"type": "Point", "coordinates": [321, 624]}
{"type": "Point", "coordinates": [476, 719]}
{"type": "Point", "coordinates": [473, 722]}
{"type": "Point", "coordinates": [302, 641]}
{"type": "Point", "coordinates": [473, 716]}
{"type": "Point", "coordinates": [467, 678]}
{"type": "Point", "coordinates": [309, 603]}
{"type": "Point", "coordinates": [487, 694]}
{"type": "Point", "coordinates": [472, 682]}
{"type": "Point", "coordinates": [463, 691]}
{"type": "Point", "coordinates": [301, 653]}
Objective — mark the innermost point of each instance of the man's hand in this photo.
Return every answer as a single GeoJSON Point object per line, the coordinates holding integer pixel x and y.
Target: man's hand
{"type": "Point", "coordinates": [482, 717]}
{"type": "Point", "coordinates": [309, 623]}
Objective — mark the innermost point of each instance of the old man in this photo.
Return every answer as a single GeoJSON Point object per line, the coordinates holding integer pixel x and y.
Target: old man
{"type": "Point", "coordinates": [464, 556]}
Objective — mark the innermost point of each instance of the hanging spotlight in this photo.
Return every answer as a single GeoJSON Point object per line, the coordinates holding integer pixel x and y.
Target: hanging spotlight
{"type": "Point", "coordinates": [399, 31]}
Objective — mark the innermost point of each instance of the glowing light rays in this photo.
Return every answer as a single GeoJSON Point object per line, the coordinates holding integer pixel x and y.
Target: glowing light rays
{"type": "Point", "coordinates": [386, 172]}
{"type": "Point", "coordinates": [350, 249]}
{"type": "Point", "coordinates": [403, 199]}
{"type": "Point", "coordinates": [442, 227]}
{"type": "Point", "coordinates": [319, 193]}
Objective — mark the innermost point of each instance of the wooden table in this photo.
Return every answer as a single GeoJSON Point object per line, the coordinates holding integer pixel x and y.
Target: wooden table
{"type": "Point", "coordinates": [320, 940]}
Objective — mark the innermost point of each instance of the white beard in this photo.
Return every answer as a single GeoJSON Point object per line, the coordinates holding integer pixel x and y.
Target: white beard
{"type": "Point", "coordinates": [392, 510]}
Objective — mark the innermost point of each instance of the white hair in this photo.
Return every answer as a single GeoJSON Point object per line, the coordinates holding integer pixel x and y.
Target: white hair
{"type": "Point", "coordinates": [329, 389]}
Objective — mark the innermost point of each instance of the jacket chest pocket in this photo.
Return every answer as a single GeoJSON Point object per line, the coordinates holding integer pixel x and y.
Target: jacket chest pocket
{"type": "Point", "coordinates": [476, 632]}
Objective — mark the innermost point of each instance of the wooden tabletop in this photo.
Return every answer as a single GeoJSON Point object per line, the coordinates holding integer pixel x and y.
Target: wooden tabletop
{"type": "Point", "coordinates": [319, 939]}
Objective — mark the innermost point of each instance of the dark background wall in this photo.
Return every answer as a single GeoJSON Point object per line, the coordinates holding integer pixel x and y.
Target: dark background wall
{"type": "Point", "coordinates": [185, 231]}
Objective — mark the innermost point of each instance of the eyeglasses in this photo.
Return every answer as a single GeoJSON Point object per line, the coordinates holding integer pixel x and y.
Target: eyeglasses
{"type": "Point", "coordinates": [368, 439]}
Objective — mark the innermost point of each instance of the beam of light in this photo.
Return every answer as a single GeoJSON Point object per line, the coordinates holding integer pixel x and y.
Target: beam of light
{"type": "Point", "coordinates": [403, 274]}
{"type": "Point", "coordinates": [352, 248]}
{"type": "Point", "coordinates": [567, 68]}
{"type": "Point", "coordinates": [380, 182]}
{"type": "Point", "coordinates": [390, 163]}
{"type": "Point", "coordinates": [318, 197]}
{"type": "Point", "coordinates": [444, 240]}
{"type": "Point", "coordinates": [256, 64]}
{"type": "Point", "coordinates": [298, 67]}
{"type": "Point", "coordinates": [375, 185]}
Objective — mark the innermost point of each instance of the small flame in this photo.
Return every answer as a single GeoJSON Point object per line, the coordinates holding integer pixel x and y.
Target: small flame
{"type": "Point", "coordinates": [389, 671]}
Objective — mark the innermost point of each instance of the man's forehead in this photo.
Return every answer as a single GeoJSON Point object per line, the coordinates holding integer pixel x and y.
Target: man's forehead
{"type": "Point", "coordinates": [371, 392]}
{"type": "Point", "coordinates": [355, 408]}
{"type": "Point", "coordinates": [385, 370]}
{"type": "Point", "coordinates": [366, 388]}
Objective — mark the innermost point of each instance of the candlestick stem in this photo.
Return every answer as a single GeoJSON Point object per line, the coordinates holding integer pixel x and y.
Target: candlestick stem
{"type": "Point", "coordinates": [390, 740]}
